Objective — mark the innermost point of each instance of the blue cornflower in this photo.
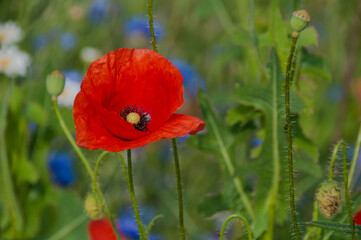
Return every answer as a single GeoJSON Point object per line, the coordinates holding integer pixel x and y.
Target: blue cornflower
{"type": "Point", "coordinates": [61, 167]}
{"type": "Point", "coordinates": [68, 40]}
{"type": "Point", "coordinates": [192, 79]}
{"type": "Point", "coordinates": [127, 224]}
{"type": "Point", "coordinates": [256, 142]}
{"type": "Point", "coordinates": [97, 10]}
{"type": "Point", "coordinates": [40, 41]}
{"type": "Point", "coordinates": [140, 25]}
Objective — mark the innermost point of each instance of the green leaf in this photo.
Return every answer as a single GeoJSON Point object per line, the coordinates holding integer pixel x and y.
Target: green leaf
{"type": "Point", "coordinates": [335, 226]}
{"type": "Point", "coordinates": [213, 204]}
{"type": "Point", "coordinates": [242, 37]}
{"type": "Point", "coordinates": [267, 99]}
{"type": "Point", "coordinates": [69, 209]}
{"type": "Point", "coordinates": [34, 112]}
{"type": "Point", "coordinates": [279, 35]}
{"type": "Point", "coordinates": [243, 114]}
{"type": "Point", "coordinates": [308, 37]}
{"type": "Point", "coordinates": [315, 66]}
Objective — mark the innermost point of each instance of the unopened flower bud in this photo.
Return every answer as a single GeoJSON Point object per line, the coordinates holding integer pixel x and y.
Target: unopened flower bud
{"type": "Point", "coordinates": [329, 198]}
{"type": "Point", "coordinates": [55, 82]}
{"type": "Point", "coordinates": [94, 205]}
{"type": "Point", "coordinates": [299, 20]}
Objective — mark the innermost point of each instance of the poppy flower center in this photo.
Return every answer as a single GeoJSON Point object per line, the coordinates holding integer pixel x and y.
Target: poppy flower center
{"type": "Point", "coordinates": [133, 118]}
{"type": "Point", "coordinates": [136, 116]}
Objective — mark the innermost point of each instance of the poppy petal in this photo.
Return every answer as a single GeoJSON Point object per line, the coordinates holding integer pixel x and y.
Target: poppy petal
{"type": "Point", "coordinates": [101, 229]}
{"type": "Point", "coordinates": [92, 134]}
{"type": "Point", "coordinates": [357, 217]}
{"type": "Point", "coordinates": [139, 77]}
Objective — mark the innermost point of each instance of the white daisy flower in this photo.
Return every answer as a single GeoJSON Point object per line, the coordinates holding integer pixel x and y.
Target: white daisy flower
{"type": "Point", "coordinates": [71, 89]}
{"type": "Point", "coordinates": [13, 62]}
{"type": "Point", "coordinates": [90, 54]}
{"type": "Point", "coordinates": [10, 33]}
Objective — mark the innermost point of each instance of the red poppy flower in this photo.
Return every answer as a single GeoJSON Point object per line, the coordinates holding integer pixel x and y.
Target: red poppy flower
{"type": "Point", "coordinates": [357, 217]}
{"type": "Point", "coordinates": [128, 99]}
{"type": "Point", "coordinates": [101, 229]}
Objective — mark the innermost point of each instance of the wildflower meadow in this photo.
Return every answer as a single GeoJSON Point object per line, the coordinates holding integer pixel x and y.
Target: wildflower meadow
{"type": "Point", "coordinates": [165, 120]}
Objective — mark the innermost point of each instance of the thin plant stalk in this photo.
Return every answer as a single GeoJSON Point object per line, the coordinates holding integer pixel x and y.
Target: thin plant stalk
{"type": "Point", "coordinates": [129, 174]}
{"type": "Point", "coordinates": [289, 135]}
{"type": "Point", "coordinates": [347, 195]}
{"type": "Point", "coordinates": [9, 193]}
{"type": "Point", "coordinates": [174, 142]}
{"type": "Point", "coordinates": [179, 188]}
{"type": "Point", "coordinates": [249, 233]}
{"type": "Point", "coordinates": [97, 169]}
{"type": "Point", "coordinates": [333, 159]}
{"type": "Point", "coordinates": [151, 24]}
{"type": "Point", "coordinates": [354, 157]}
{"type": "Point", "coordinates": [82, 158]}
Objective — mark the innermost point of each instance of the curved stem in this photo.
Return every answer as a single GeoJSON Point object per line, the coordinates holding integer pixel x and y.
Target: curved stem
{"type": "Point", "coordinates": [179, 188]}
{"type": "Point", "coordinates": [82, 158]}
{"type": "Point", "coordinates": [333, 159]}
{"type": "Point", "coordinates": [142, 234]}
{"type": "Point", "coordinates": [347, 196]}
{"type": "Point", "coordinates": [151, 25]}
{"type": "Point", "coordinates": [97, 168]}
{"type": "Point", "coordinates": [355, 156]}
{"type": "Point", "coordinates": [249, 233]}
{"type": "Point", "coordinates": [9, 193]}
{"type": "Point", "coordinates": [289, 135]}
{"type": "Point", "coordinates": [71, 139]}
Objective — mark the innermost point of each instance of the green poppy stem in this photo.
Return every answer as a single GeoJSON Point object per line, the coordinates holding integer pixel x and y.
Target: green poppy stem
{"type": "Point", "coordinates": [179, 188]}
{"type": "Point", "coordinates": [354, 157]}
{"type": "Point", "coordinates": [82, 158]}
{"type": "Point", "coordinates": [249, 233]}
{"type": "Point", "coordinates": [151, 24]}
{"type": "Point", "coordinates": [289, 76]}
{"type": "Point", "coordinates": [97, 169]}
{"type": "Point", "coordinates": [347, 195]}
{"type": "Point", "coordinates": [174, 142]}
{"type": "Point", "coordinates": [129, 177]}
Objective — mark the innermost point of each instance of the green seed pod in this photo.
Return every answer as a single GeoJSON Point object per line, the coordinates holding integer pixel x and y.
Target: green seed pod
{"type": "Point", "coordinates": [94, 205]}
{"type": "Point", "coordinates": [55, 82]}
{"type": "Point", "coordinates": [329, 198]}
{"type": "Point", "coordinates": [299, 20]}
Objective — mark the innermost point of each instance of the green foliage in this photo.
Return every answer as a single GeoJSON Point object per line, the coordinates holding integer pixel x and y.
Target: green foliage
{"type": "Point", "coordinates": [334, 226]}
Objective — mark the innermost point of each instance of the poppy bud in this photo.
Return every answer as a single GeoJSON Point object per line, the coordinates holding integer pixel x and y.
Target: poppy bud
{"type": "Point", "coordinates": [299, 20]}
{"type": "Point", "coordinates": [55, 82]}
{"type": "Point", "coordinates": [94, 205]}
{"type": "Point", "coordinates": [329, 198]}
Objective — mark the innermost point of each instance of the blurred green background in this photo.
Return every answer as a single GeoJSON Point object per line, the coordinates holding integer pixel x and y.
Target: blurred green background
{"type": "Point", "coordinates": [218, 46]}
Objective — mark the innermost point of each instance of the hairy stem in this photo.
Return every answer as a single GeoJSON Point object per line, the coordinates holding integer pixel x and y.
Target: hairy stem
{"type": "Point", "coordinates": [97, 169]}
{"type": "Point", "coordinates": [249, 233]}
{"type": "Point", "coordinates": [82, 158]}
{"type": "Point", "coordinates": [347, 196]}
{"type": "Point", "coordinates": [174, 142]}
{"type": "Point", "coordinates": [179, 188]}
{"type": "Point", "coordinates": [151, 24]}
{"type": "Point", "coordinates": [129, 174]}
{"type": "Point", "coordinates": [289, 135]}
{"type": "Point", "coordinates": [333, 159]}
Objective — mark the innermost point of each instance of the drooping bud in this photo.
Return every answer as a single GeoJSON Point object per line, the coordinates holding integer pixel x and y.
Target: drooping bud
{"type": "Point", "coordinates": [55, 82]}
{"type": "Point", "coordinates": [94, 205]}
{"type": "Point", "coordinates": [329, 198]}
{"type": "Point", "coordinates": [299, 20]}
